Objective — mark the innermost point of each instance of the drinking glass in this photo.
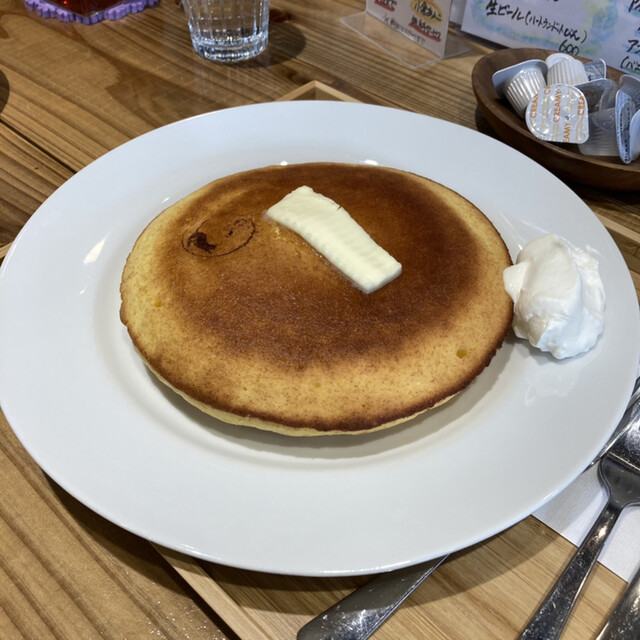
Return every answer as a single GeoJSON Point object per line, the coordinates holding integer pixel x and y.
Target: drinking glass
{"type": "Point", "coordinates": [228, 30]}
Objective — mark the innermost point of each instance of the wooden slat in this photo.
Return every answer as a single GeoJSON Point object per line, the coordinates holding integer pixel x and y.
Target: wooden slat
{"type": "Point", "coordinates": [484, 593]}
{"type": "Point", "coordinates": [621, 230]}
{"type": "Point", "coordinates": [27, 177]}
{"type": "Point", "coordinates": [316, 91]}
{"type": "Point", "coordinates": [202, 582]}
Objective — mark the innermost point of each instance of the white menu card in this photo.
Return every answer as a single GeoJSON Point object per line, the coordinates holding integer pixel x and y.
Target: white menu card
{"type": "Point", "coordinates": [607, 29]}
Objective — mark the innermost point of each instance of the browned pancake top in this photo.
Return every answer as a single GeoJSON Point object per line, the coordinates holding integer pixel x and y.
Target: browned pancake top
{"type": "Point", "coordinates": [241, 314]}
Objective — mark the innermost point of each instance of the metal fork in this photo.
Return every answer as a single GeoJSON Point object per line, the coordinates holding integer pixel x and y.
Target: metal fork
{"type": "Point", "coordinates": [619, 471]}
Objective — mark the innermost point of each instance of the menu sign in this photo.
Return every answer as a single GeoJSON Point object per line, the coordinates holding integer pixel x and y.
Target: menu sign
{"type": "Point", "coordinates": [607, 29]}
{"type": "Point", "coordinates": [423, 21]}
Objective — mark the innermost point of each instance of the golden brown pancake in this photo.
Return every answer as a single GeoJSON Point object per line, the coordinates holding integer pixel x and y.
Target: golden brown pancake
{"type": "Point", "coordinates": [246, 321]}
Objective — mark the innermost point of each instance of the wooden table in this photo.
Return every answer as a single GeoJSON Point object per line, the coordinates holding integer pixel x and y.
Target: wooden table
{"type": "Point", "coordinates": [68, 94]}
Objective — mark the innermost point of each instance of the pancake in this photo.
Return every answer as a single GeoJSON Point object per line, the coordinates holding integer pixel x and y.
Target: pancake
{"type": "Point", "coordinates": [246, 321]}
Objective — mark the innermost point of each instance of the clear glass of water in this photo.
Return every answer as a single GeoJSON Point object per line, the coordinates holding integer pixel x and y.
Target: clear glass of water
{"type": "Point", "coordinates": [228, 30]}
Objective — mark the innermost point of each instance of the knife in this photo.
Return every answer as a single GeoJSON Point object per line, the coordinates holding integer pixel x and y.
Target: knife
{"type": "Point", "coordinates": [360, 613]}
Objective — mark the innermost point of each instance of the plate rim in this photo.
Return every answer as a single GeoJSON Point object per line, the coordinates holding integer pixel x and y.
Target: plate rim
{"type": "Point", "coordinates": [17, 250]}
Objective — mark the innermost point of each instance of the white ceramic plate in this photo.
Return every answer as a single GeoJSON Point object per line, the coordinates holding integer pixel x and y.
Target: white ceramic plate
{"type": "Point", "coordinates": [88, 412]}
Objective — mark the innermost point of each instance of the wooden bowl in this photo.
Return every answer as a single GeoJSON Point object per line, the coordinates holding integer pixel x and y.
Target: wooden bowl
{"type": "Point", "coordinates": [565, 161]}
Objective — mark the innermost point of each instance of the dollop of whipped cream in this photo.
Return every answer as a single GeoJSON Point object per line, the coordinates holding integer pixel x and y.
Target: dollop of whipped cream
{"type": "Point", "coordinates": [558, 297]}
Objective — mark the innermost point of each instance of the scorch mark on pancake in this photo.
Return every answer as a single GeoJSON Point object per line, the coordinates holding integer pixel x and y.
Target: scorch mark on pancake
{"type": "Point", "coordinates": [210, 242]}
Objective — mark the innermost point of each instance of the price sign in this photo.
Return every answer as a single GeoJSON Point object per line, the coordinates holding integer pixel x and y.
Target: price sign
{"type": "Point", "coordinates": [423, 21]}
{"type": "Point", "coordinates": [413, 31]}
{"type": "Point", "coordinates": [607, 29]}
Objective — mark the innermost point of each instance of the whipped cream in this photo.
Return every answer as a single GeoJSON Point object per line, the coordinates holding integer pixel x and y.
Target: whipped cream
{"type": "Point", "coordinates": [558, 297]}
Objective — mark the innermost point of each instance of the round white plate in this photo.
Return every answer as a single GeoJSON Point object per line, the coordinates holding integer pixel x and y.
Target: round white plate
{"type": "Point", "coordinates": [86, 409]}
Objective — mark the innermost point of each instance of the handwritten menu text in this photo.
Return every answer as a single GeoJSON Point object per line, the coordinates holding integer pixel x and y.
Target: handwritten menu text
{"type": "Point", "coordinates": [607, 29]}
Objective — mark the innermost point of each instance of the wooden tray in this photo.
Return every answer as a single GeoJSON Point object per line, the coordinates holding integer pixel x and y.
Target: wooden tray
{"type": "Point", "coordinates": [485, 592]}
{"type": "Point", "coordinates": [565, 161]}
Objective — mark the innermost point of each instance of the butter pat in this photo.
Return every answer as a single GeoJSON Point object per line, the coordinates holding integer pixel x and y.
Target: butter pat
{"type": "Point", "coordinates": [329, 228]}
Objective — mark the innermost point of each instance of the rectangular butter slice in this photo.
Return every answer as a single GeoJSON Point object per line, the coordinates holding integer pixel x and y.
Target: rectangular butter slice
{"type": "Point", "coordinates": [329, 228]}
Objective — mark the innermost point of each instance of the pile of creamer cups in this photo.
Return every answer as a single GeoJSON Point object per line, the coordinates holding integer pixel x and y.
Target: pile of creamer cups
{"type": "Point", "coordinates": [564, 100]}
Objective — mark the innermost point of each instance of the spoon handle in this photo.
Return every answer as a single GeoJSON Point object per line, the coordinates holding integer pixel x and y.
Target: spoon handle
{"type": "Point", "coordinates": [551, 617]}
{"type": "Point", "coordinates": [623, 623]}
{"type": "Point", "coordinates": [360, 613]}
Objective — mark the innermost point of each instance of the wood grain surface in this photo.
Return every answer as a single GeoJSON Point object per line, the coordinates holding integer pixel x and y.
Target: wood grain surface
{"type": "Point", "coordinates": [486, 592]}
{"type": "Point", "coordinates": [68, 94]}
{"type": "Point", "coordinates": [67, 573]}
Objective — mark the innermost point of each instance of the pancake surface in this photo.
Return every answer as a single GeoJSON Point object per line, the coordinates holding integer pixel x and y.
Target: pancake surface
{"type": "Point", "coordinates": [249, 323]}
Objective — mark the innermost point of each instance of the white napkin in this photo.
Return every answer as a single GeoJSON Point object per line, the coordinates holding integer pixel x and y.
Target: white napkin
{"type": "Point", "coordinates": [572, 512]}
